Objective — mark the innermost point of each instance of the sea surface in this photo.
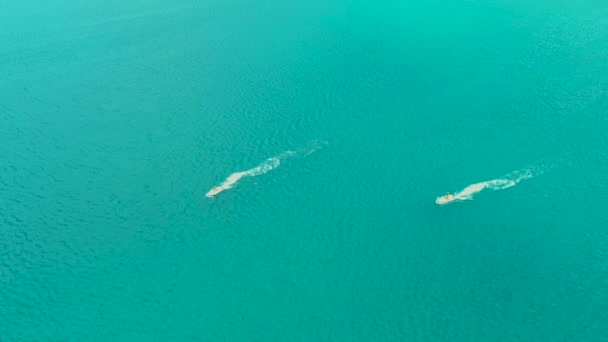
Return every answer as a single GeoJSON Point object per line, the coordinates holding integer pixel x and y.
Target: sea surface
{"type": "Point", "coordinates": [332, 127]}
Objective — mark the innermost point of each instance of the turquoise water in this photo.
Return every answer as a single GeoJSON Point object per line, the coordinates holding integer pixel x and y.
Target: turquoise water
{"type": "Point", "coordinates": [117, 117]}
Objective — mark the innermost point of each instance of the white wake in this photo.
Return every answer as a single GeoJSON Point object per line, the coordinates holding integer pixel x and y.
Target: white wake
{"type": "Point", "coordinates": [507, 181]}
{"type": "Point", "coordinates": [264, 167]}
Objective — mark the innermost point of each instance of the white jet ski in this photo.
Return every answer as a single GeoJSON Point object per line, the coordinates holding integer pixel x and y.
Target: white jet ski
{"type": "Point", "coordinates": [216, 190]}
{"type": "Point", "coordinates": [445, 199]}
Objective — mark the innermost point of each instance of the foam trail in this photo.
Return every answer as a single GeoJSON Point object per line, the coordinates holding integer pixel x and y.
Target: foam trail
{"type": "Point", "coordinates": [261, 169]}
{"type": "Point", "coordinates": [507, 181]}
{"type": "Point", "coordinates": [266, 166]}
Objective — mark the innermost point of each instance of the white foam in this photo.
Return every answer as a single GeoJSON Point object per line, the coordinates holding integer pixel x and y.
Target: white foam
{"type": "Point", "coordinates": [507, 181]}
{"type": "Point", "coordinates": [261, 169]}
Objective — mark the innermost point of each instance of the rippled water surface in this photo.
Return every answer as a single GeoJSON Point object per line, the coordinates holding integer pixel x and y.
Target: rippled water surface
{"type": "Point", "coordinates": [331, 128]}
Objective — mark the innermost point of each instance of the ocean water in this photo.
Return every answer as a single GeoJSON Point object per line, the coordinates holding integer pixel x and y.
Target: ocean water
{"type": "Point", "coordinates": [331, 127]}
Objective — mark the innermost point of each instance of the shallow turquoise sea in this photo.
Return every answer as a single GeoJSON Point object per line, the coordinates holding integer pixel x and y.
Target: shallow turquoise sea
{"type": "Point", "coordinates": [347, 120]}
